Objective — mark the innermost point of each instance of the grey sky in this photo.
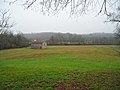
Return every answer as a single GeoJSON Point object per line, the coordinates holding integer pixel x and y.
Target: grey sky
{"type": "Point", "coordinates": [28, 21]}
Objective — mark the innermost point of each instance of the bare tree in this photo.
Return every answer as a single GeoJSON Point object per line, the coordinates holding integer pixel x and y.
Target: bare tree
{"type": "Point", "coordinates": [117, 32]}
{"type": "Point", "coordinates": [4, 21]}
{"type": "Point", "coordinates": [7, 38]}
{"type": "Point", "coordinates": [72, 6]}
{"type": "Point", "coordinates": [115, 18]}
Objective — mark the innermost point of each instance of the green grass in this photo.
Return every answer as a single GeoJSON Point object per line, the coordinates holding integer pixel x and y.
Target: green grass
{"type": "Point", "coordinates": [60, 68]}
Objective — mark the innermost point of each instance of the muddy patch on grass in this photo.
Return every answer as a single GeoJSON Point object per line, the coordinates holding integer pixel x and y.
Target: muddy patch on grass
{"type": "Point", "coordinates": [72, 85]}
{"type": "Point", "coordinates": [91, 81]}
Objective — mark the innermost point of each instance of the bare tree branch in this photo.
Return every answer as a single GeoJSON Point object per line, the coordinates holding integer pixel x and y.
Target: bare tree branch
{"type": "Point", "coordinates": [4, 21]}
{"type": "Point", "coordinates": [74, 6]}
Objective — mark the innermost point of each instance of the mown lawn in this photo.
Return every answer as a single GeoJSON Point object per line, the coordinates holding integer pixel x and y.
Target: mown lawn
{"type": "Point", "coordinates": [60, 68]}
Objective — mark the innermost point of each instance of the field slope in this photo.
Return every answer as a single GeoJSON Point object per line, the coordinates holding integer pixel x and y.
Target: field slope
{"type": "Point", "coordinates": [60, 68]}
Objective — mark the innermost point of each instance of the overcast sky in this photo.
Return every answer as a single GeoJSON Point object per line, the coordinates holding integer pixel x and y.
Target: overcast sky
{"type": "Point", "coordinates": [30, 21]}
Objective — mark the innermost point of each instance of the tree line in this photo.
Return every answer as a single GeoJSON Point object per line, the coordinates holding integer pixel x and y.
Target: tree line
{"type": "Point", "coordinates": [7, 38]}
{"type": "Point", "coordinates": [89, 39]}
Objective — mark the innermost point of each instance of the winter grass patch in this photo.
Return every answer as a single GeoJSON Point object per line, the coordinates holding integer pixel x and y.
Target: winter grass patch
{"type": "Point", "coordinates": [60, 68]}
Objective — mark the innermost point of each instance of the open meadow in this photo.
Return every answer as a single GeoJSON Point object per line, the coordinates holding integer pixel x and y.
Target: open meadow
{"type": "Point", "coordinates": [60, 68]}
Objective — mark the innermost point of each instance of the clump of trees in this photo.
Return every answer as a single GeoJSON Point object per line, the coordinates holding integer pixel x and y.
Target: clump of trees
{"type": "Point", "coordinates": [7, 38]}
{"type": "Point", "coordinates": [117, 33]}
{"type": "Point", "coordinates": [87, 39]}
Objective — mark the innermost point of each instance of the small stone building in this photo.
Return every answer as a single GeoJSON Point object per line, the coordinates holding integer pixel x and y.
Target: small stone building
{"type": "Point", "coordinates": [38, 44]}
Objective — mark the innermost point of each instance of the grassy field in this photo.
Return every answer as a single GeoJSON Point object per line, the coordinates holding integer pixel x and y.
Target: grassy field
{"type": "Point", "coordinates": [60, 68]}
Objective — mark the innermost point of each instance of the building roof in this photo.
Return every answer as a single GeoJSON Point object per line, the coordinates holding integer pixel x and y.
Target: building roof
{"type": "Point", "coordinates": [37, 42]}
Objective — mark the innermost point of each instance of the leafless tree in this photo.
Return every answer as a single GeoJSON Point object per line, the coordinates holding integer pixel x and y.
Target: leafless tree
{"type": "Point", "coordinates": [115, 18]}
{"type": "Point", "coordinates": [7, 38]}
{"type": "Point", "coordinates": [5, 25]}
{"type": "Point", "coordinates": [73, 6]}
